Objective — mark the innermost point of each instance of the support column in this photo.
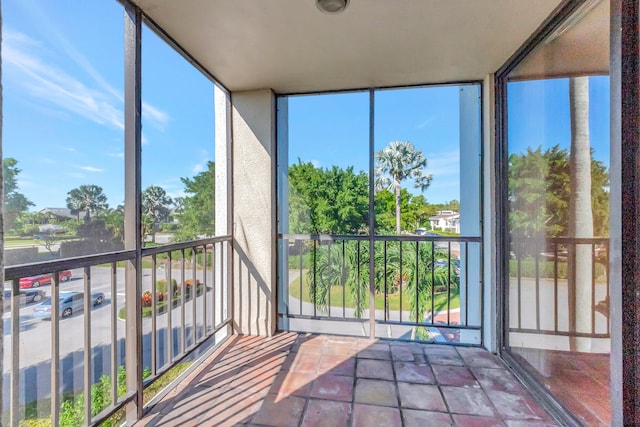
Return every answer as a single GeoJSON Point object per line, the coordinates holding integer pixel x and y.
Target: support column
{"type": "Point", "coordinates": [254, 212]}
{"type": "Point", "coordinates": [283, 208]}
{"type": "Point", "coordinates": [470, 275]}
{"type": "Point", "coordinates": [223, 202]}
{"type": "Point", "coordinates": [132, 207]}
{"type": "Point", "coordinates": [489, 323]}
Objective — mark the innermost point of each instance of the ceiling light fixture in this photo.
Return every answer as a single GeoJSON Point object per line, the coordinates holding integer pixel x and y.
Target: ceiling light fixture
{"type": "Point", "coordinates": [332, 7]}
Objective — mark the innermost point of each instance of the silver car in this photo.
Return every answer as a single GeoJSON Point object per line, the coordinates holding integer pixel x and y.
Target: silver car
{"type": "Point", "coordinates": [70, 302]}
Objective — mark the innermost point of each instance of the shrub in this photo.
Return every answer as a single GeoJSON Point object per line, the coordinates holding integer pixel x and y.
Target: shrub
{"type": "Point", "coordinates": [161, 286]}
{"type": "Point", "coordinates": [72, 410]}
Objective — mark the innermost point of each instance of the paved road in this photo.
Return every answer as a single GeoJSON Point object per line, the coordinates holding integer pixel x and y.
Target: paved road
{"type": "Point", "coordinates": [35, 336]}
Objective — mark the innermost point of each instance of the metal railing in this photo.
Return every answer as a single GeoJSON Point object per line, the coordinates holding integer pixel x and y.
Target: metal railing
{"type": "Point", "coordinates": [418, 281]}
{"type": "Point", "coordinates": [181, 310]}
{"type": "Point", "coordinates": [542, 291]}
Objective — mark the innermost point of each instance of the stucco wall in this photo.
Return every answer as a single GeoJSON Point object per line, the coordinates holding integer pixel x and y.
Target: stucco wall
{"type": "Point", "coordinates": [254, 268]}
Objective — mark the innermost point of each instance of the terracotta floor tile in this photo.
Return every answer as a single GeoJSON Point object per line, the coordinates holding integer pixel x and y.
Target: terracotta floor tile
{"type": "Point", "coordinates": [467, 401]}
{"type": "Point", "coordinates": [376, 392]}
{"type": "Point", "coordinates": [374, 354]}
{"type": "Point", "coordinates": [419, 396]}
{"type": "Point", "coordinates": [403, 354]}
{"type": "Point", "coordinates": [325, 413]}
{"type": "Point", "coordinates": [377, 369]}
{"type": "Point", "coordinates": [369, 416]}
{"type": "Point", "coordinates": [308, 348]}
{"type": "Point", "coordinates": [293, 383]}
{"type": "Point", "coordinates": [279, 412]}
{"type": "Point", "coordinates": [339, 351]}
{"type": "Point", "coordinates": [334, 387]}
{"type": "Point", "coordinates": [442, 358]}
{"type": "Point", "coordinates": [499, 380]}
{"type": "Point", "coordinates": [306, 362]}
{"type": "Point", "coordinates": [308, 379]}
{"type": "Point", "coordinates": [480, 358]}
{"type": "Point", "coordinates": [415, 418]}
{"type": "Point", "coordinates": [476, 421]}
{"type": "Point", "coordinates": [514, 405]}
{"type": "Point", "coordinates": [347, 342]}
{"type": "Point", "coordinates": [420, 373]}
{"type": "Point", "coordinates": [454, 376]}
{"type": "Point", "coordinates": [337, 365]}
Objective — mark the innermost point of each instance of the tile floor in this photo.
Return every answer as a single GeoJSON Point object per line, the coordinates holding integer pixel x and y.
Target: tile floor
{"type": "Point", "coordinates": [580, 380]}
{"type": "Point", "coordinates": [321, 380]}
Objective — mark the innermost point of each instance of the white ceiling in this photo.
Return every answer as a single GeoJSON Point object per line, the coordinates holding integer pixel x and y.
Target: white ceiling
{"type": "Point", "coordinates": [290, 46]}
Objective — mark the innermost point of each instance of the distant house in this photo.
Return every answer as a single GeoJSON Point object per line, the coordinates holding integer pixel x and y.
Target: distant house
{"type": "Point", "coordinates": [54, 215]}
{"type": "Point", "coordinates": [446, 221]}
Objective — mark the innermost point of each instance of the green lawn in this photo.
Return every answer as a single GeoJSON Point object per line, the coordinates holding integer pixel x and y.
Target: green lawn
{"type": "Point", "coordinates": [440, 302]}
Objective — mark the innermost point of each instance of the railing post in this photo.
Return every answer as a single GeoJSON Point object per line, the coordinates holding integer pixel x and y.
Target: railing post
{"type": "Point", "coordinates": [372, 285]}
{"type": "Point", "coordinates": [133, 237]}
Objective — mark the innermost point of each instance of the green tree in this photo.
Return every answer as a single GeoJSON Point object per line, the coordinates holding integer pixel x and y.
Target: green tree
{"type": "Point", "coordinates": [397, 162]}
{"type": "Point", "coordinates": [114, 221]}
{"type": "Point", "coordinates": [540, 190]}
{"type": "Point", "coordinates": [198, 214]}
{"type": "Point", "coordinates": [155, 204]}
{"type": "Point", "coordinates": [15, 202]}
{"type": "Point", "coordinates": [415, 211]}
{"type": "Point", "coordinates": [322, 200]}
{"type": "Point", "coordinates": [88, 199]}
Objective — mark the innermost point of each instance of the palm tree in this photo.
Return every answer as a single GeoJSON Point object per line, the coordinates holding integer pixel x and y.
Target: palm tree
{"type": "Point", "coordinates": [114, 220]}
{"type": "Point", "coordinates": [397, 162]}
{"type": "Point", "coordinates": [580, 212]}
{"type": "Point", "coordinates": [155, 204]}
{"type": "Point", "coordinates": [416, 273]}
{"type": "Point", "coordinates": [88, 199]}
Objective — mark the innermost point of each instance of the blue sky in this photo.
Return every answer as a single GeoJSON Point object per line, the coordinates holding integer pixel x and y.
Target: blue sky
{"type": "Point", "coordinates": [63, 111]}
{"type": "Point", "coordinates": [63, 102]}
{"type": "Point", "coordinates": [333, 129]}
{"type": "Point", "coordinates": [539, 115]}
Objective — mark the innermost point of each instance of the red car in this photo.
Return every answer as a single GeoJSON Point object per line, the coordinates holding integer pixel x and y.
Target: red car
{"type": "Point", "coordinates": [43, 279]}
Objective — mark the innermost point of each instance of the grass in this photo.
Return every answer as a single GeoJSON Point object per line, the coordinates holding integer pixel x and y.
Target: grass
{"type": "Point", "coordinates": [159, 384]}
{"type": "Point", "coordinates": [35, 419]}
{"type": "Point", "coordinates": [440, 301]}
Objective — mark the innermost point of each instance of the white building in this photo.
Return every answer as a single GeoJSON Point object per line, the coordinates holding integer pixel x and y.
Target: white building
{"type": "Point", "coordinates": [446, 221]}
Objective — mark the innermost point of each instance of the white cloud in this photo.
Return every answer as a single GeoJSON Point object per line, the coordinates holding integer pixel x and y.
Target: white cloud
{"type": "Point", "coordinates": [118, 154]}
{"type": "Point", "coordinates": [426, 122]}
{"type": "Point", "coordinates": [315, 163]}
{"type": "Point", "coordinates": [50, 84]}
{"type": "Point", "coordinates": [90, 169]}
{"type": "Point", "coordinates": [154, 116]}
{"type": "Point", "coordinates": [443, 164]}
{"type": "Point", "coordinates": [197, 168]}
{"type": "Point", "coordinates": [202, 165]}
{"type": "Point", "coordinates": [76, 175]}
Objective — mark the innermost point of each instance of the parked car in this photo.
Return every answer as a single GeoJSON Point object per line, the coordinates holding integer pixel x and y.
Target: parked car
{"type": "Point", "coordinates": [70, 302]}
{"type": "Point", "coordinates": [43, 279]}
{"type": "Point", "coordinates": [28, 296]}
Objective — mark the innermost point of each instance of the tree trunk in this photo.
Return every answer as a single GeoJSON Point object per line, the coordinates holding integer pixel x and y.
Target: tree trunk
{"type": "Point", "coordinates": [397, 208]}
{"type": "Point", "coordinates": [580, 214]}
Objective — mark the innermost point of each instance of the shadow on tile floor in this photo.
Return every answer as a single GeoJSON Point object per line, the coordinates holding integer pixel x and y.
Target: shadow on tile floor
{"type": "Point", "coordinates": [293, 380]}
